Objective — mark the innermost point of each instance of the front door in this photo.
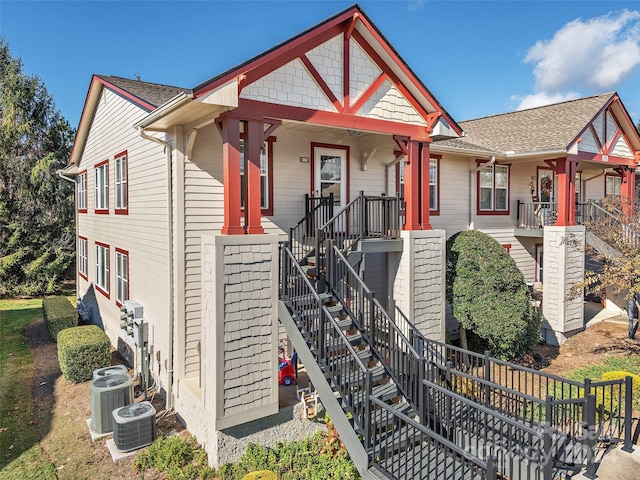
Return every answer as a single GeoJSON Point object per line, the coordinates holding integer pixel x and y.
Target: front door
{"type": "Point", "coordinates": [330, 175]}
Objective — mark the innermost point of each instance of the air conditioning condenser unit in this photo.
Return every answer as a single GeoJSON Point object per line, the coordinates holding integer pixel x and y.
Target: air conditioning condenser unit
{"type": "Point", "coordinates": [134, 426]}
{"type": "Point", "coordinates": [108, 393]}
{"type": "Point", "coordinates": [112, 370]}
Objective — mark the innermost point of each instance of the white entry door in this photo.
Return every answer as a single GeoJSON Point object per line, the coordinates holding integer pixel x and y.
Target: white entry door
{"type": "Point", "coordinates": [330, 174]}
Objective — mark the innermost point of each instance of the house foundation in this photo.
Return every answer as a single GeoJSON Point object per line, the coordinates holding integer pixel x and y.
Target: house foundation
{"type": "Point", "coordinates": [563, 312]}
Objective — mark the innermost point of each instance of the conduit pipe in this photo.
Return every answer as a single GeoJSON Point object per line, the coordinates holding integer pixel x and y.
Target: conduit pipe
{"type": "Point", "coordinates": [471, 174]}
{"type": "Point", "coordinates": [168, 150]}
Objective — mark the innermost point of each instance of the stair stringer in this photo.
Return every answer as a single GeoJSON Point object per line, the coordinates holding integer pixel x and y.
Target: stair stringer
{"type": "Point", "coordinates": [329, 401]}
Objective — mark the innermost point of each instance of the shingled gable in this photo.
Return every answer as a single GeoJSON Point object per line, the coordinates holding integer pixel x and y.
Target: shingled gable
{"type": "Point", "coordinates": [336, 100]}
{"type": "Point", "coordinates": [147, 96]}
{"type": "Point", "coordinates": [551, 128]}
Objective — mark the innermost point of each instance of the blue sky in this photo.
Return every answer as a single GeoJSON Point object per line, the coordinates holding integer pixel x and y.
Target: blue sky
{"type": "Point", "coordinates": [477, 57]}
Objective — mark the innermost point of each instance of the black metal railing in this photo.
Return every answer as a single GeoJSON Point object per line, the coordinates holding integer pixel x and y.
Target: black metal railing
{"type": "Point", "coordinates": [365, 217]}
{"type": "Point", "coordinates": [418, 452]}
{"type": "Point", "coordinates": [403, 363]}
{"type": "Point", "coordinates": [334, 353]}
{"type": "Point", "coordinates": [318, 211]}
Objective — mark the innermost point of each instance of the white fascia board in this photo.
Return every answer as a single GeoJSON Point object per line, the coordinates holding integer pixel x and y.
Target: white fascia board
{"type": "Point", "coordinates": [225, 95]}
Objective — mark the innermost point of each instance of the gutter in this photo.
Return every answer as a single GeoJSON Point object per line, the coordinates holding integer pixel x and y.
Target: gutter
{"type": "Point", "coordinates": [161, 111]}
{"type": "Point", "coordinates": [75, 218]}
{"type": "Point", "coordinates": [472, 172]}
{"type": "Point", "coordinates": [168, 150]}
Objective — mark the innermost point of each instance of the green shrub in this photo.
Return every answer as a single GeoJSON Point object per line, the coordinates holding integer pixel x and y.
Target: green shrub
{"type": "Point", "coordinates": [58, 314]}
{"type": "Point", "coordinates": [179, 458]}
{"type": "Point", "coordinates": [489, 295]}
{"type": "Point", "coordinates": [81, 350]}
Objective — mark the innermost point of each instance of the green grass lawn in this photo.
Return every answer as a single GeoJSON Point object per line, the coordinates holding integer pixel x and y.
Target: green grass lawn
{"type": "Point", "coordinates": [20, 454]}
{"type": "Point", "coordinates": [629, 364]}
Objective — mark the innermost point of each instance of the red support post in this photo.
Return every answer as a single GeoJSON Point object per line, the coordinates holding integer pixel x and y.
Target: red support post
{"type": "Point", "coordinates": [412, 186]}
{"type": "Point", "coordinates": [230, 131]}
{"type": "Point", "coordinates": [628, 190]}
{"type": "Point", "coordinates": [563, 192]}
{"type": "Point", "coordinates": [425, 184]}
{"type": "Point", "coordinates": [254, 131]}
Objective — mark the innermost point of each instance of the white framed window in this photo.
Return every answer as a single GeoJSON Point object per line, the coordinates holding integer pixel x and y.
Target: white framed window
{"type": "Point", "coordinates": [266, 176]}
{"type": "Point", "coordinates": [122, 276]}
{"type": "Point", "coordinates": [434, 181]}
{"type": "Point", "coordinates": [102, 187]}
{"type": "Point", "coordinates": [83, 267]}
{"type": "Point", "coordinates": [122, 191]}
{"type": "Point", "coordinates": [81, 195]}
{"type": "Point", "coordinates": [612, 185]}
{"type": "Point", "coordinates": [102, 268]}
{"type": "Point", "coordinates": [493, 190]}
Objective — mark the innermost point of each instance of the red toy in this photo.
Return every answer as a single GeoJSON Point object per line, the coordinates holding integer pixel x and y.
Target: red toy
{"type": "Point", "coordinates": [286, 373]}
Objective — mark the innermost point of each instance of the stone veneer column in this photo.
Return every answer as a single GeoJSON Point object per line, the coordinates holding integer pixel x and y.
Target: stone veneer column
{"type": "Point", "coordinates": [418, 276]}
{"type": "Point", "coordinates": [563, 267]}
{"type": "Point", "coordinates": [239, 328]}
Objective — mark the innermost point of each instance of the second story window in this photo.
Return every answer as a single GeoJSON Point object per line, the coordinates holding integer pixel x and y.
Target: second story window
{"type": "Point", "coordinates": [122, 191]}
{"type": "Point", "coordinates": [493, 190]}
{"type": "Point", "coordinates": [81, 197]}
{"type": "Point", "coordinates": [102, 187]}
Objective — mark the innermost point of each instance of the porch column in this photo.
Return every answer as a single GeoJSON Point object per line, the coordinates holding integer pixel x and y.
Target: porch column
{"type": "Point", "coordinates": [252, 146]}
{"type": "Point", "coordinates": [566, 172]}
{"type": "Point", "coordinates": [628, 189]}
{"type": "Point", "coordinates": [425, 184]}
{"type": "Point", "coordinates": [230, 131]}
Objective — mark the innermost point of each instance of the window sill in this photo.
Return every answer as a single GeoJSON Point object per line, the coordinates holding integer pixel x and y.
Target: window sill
{"type": "Point", "coordinates": [103, 292]}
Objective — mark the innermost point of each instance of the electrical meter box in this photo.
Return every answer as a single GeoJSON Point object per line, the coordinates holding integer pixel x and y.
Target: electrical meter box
{"type": "Point", "coordinates": [134, 309]}
{"type": "Point", "coordinates": [140, 331]}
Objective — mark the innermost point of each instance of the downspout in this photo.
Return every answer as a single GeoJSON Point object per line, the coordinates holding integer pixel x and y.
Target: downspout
{"type": "Point", "coordinates": [168, 150]}
{"type": "Point", "coordinates": [471, 174]}
{"type": "Point", "coordinates": [75, 220]}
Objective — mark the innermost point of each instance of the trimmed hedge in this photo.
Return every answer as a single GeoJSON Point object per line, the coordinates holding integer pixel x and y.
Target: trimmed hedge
{"type": "Point", "coordinates": [489, 295]}
{"type": "Point", "coordinates": [58, 314]}
{"type": "Point", "coordinates": [81, 350]}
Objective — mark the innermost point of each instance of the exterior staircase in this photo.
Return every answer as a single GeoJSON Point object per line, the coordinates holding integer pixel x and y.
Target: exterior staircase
{"type": "Point", "coordinates": [409, 407]}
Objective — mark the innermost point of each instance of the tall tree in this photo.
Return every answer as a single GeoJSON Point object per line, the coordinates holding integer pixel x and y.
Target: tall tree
{"type": "Point", "coordinates": [37, 231]}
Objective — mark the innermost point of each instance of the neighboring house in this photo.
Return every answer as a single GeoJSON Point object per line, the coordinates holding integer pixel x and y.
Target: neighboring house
{"type": "Point", "coordinates": [185, 195]}
{"type": "Point", "coordinates": [515, 173]}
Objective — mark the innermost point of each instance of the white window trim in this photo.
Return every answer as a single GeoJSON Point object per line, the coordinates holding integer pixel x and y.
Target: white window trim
{"type": "Point", "coordinates": [83, 264]}
{"type": "Point", "coordinates": [121, 182]}
{"type": "Point", "coordinates": [122, 277]}
{"type": "Point", "coordinates": [102, 187]}
{"type": "Point", "coordinates": [102, 268]}
{"type": "Point", "coordinates": [82, 191]}
{"type": "Point", "coordinates": [494, 190]}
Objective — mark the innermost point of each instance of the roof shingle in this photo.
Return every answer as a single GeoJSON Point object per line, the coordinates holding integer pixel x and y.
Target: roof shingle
{"type": "Point", "coordinates": [153, 93]}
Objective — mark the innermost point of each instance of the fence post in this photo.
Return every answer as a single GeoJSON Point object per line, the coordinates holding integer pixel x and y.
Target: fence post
{"type": "Point", "coordinates": [329, 265]}
{"type": "Point", "coordinates": [492, 467]}
{"type": "Point", "coordinates": [547, 446]}
{"type": "Point", "coordinates": [367, 410]}
{"type": "Point", "coordinates": [364, 228]}
{"type": "Point", "coordinates": [628, 417]}
{"type": "Point", "coordinates": [487, 377]}
{"type": "Point", "coordinates": [589, 432]}
{"type": "Point", "coordinates": [548, 414]}
{"type": "Point", "coordinates": [284, 273]}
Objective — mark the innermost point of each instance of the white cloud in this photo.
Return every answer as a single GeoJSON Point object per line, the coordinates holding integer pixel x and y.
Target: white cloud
{"type": "Point", "coordinates": [540, 99]}
{"type": "Point", "coordinates": [597, 53]}
{"type": "Point", "coordinates": [593, 55]}
{"type": "Point", "coordinates": [416, 5]}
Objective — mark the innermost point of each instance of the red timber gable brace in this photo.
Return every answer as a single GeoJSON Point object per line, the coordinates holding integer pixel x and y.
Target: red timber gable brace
{"type": "Point", "coordinates": [343, 74]}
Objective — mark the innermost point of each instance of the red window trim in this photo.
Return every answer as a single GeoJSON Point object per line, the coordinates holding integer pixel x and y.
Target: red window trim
{"type": "Point", "coordinates": [102, 211]}
{"type": "Point", "coordinates": [121, 211]}
{"type": "Point", "coordinates": [86, 191]}
{"type": "Point", "coordinates": [493, 212]}
{"type": "Point", "coordinates": [347, 150]}
{"type": "Point", "coordinates": [86, 277]}
{"type": "Point", "coordinates": [98, 288]}
{"type": "Point", "coordinates": [432, 211]}
{"type": "Point", "coordinates": [267, 212]}
{"type": "Point", "coordinates": [123, 252]}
